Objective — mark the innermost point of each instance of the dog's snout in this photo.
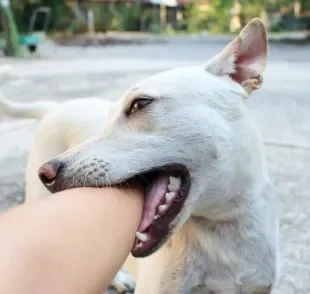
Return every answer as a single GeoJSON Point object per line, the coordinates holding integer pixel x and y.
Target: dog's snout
{"type": "Point", "coordinates": [48, 173]}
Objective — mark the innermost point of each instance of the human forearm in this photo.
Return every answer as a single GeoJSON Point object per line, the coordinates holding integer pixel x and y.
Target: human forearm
{"type": "Point", "coordinates": [68, 242]}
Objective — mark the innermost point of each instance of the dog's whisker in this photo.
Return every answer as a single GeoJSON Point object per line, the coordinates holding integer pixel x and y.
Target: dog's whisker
{"type": "Point", "coordinates": [144, 178]}
{"type": "Point", "coordinates": [73, 176]}
{"type": "Point", "coordinates": [86, 178]}
{"type": "Point", "coordinates": [127, 184]}
{"type": "Point", "coordinates": [74, 171]}
{"type": "Point", "coordinates": [108, 180]}
{"type": "Point", "coordinates": [76, 181]}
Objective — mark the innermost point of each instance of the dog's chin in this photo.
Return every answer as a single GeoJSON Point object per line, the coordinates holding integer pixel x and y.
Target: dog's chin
{"type": "Point", "coordinates": [166, 189]}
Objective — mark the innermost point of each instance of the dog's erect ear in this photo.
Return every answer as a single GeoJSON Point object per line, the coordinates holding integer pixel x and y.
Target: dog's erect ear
{"type": "Point", "coordinates": [245, 58]}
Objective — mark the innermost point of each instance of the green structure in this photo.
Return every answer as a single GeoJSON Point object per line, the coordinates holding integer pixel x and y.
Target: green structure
{"type": "Point", "coordinates": [10, 29]}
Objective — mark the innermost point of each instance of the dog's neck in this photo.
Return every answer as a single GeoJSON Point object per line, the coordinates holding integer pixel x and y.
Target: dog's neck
{"type": "Point", "coordinates": [232, 245]}
{"type": "Point", "coordinates": [235, 206]}
{"type": "Point", "coordinates": [241, 210]}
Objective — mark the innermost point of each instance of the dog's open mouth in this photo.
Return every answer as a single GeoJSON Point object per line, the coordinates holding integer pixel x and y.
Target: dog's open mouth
{"type": "Point", "coordinates": [166, 190]}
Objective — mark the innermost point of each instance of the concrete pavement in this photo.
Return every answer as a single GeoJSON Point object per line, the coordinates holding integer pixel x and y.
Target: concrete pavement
{"type": "Point", "coordinates": [281, 108]}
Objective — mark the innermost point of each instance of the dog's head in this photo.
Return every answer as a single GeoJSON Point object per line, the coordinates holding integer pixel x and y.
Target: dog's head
{"type": "Point", "coordinates": [184, 135]}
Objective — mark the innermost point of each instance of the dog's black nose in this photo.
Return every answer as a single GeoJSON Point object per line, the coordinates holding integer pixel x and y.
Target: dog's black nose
{"type": "Point", "coordinates": [48, 173]}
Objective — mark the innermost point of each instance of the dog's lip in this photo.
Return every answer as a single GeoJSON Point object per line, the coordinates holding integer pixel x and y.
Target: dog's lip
{"type": "Point", "coordinates": [159, 230]}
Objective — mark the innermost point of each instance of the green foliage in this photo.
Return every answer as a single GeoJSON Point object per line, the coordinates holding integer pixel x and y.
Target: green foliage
{"type": "Point", "coordinates": [131, 16]}
{"type": "Point", "coordinates": [108, 16]}
{"type": "Point", "coordinates": [217, 16]}
{"type": "Point", "coordinates": [213, 17]}
{"type": "Point", "coordinates": [305, 4]}
{"type": "Point", "coordinates": [11, 32]}
{"type": "Point", "coordinates": [103, 16]}
{"type": "Point", "coordinates": [23, 9]}
{"type": "Point", "coordinates": [152, 17]}
{"type": "Point", "coordinates": [116, 17]}
{"type": "Point", "coordinates": [199, 15]}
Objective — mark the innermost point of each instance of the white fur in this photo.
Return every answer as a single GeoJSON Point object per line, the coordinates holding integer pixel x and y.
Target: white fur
{"type": "Point", "coordinates": [225, 240]}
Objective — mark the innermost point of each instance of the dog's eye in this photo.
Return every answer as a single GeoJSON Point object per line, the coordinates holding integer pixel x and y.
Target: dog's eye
{"type": "Point", "coordinates": [139, 104]}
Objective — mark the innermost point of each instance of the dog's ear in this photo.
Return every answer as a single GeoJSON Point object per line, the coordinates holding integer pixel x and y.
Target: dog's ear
{"type": "Point", "coordinates": [245, 58]}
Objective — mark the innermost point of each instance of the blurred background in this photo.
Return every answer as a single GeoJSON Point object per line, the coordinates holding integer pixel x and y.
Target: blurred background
{"type": "Point", "coordinates": [64, 19]}
{"type": "Point", "coordinates": [163, 16]}
{"type": "Point", "coordinates": [67, 18]}
{"type": "Point", "coordinates": [60, 50]}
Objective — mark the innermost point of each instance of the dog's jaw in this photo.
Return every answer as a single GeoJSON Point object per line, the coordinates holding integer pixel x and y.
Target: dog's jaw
{"type": "Point", "coordinates": [164, 201]}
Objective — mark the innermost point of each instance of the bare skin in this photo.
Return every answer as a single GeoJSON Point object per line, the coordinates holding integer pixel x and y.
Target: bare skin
{"type": "Point", "coordinates": [71, 242]}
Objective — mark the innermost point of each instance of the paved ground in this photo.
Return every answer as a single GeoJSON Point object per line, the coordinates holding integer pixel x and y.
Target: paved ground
{"type": "Point", "coordinates": [281, 108]}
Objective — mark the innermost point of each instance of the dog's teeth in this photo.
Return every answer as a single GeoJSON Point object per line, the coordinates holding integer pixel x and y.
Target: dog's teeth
{"type": "Point", "coordinates": [162, 208]}
{"type": "Point", "coordinates": [141, 236]}
{"type": "Point", "coordinates": [139, 245]}
{"type": "Point", "coordinates": [173, 187]}
{"type": "Point", "coordinates": [175, 184]}
{"type": "Point", "coordinates": [156, 217]}
{"type": "Point", "coordinates": [174, 180]}
{"type": "Point", "coordinates": [169, 196]}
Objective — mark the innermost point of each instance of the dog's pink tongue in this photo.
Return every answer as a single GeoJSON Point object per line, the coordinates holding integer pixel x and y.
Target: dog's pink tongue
{"type": "Point", "coordinates": [153, 196]}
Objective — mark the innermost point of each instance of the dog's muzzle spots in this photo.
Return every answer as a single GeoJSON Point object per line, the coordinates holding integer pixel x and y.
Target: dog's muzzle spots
{"type": "Point", "coordinates": [58, 176]}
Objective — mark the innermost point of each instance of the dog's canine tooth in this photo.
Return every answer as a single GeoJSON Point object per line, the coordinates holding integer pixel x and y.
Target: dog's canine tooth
{"type": "Point", "coordinates": [174, 180]}
{"type": "Point", "coordinates": [142, 236]}
{"type": "Point", "coordinates": [175, 184]}
{"type": "Point", "coordinates": [173, 188]}
{"type": "Point", "coordinates": [169, 196]}
{"type": "Point", "coordinates": [139, 245]}
{"type": "Point", "coordinates": [162, 208]}
{"type": "Point", "coordinates": [156, 217]}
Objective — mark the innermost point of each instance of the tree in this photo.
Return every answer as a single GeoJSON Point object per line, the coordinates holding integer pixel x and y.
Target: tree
{"type": "Point", "coordinates": [10, 29]}
{"type": "Point", "coordinates": [209, 15]}
{"type": "Point", "coordinates": [217, 15]}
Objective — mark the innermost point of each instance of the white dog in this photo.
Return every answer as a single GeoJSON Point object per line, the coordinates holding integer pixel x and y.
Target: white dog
{"type": "Point", "coordinates": [210, 222]}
